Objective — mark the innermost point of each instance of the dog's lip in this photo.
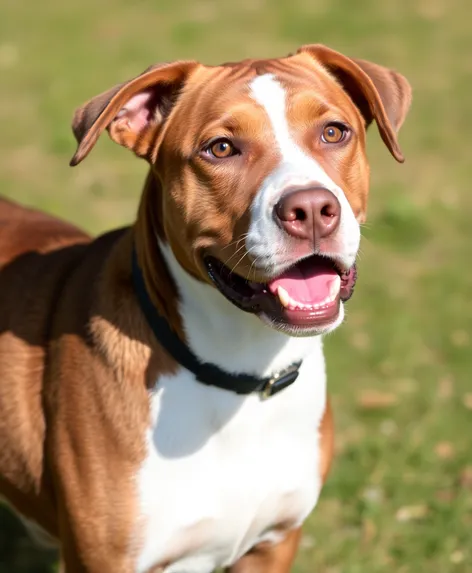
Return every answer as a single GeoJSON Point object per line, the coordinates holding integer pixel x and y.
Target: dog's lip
{"type": "Point", "coordinates": [257, 298]}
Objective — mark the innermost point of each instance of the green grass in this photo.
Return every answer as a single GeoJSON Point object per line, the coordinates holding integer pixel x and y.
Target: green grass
{"type": "Point", "coordinates": [399, 498]}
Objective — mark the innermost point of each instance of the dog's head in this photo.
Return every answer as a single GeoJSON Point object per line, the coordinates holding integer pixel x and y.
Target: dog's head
{"type": "Point", "coordinates": [262, 172]}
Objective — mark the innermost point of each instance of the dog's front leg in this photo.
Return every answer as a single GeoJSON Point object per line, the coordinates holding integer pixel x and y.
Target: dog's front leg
{"type": "Point", "coordinates": [105, 557]}
{"type": "Point", "coordinates": [96, 517]}
{"type": "Point", "coordinates": [95, 446]}
{"type": "Point", "coordinates": [96, 499]}
{"type": "Point", "coordinates": [266, 558]}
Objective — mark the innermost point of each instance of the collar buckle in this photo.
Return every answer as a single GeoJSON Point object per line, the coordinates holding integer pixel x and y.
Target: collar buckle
{"type": "Point", "coordinates": [279, 381]}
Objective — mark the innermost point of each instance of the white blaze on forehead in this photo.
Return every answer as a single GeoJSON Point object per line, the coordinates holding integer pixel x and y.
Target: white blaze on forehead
{"type": "Point", "coordinates": [270, 95]}
{"type": "Point", "coordinates": [265, 239]}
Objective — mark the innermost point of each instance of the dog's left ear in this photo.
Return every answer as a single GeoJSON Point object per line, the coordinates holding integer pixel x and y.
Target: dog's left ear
{"type": "Point", "coordinates": [379, 93]}
{"type": "Point", "coordinates": [133, 112]}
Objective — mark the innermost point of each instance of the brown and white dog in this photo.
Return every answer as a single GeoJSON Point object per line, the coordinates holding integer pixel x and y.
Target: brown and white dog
{"type": "Point", "coordinates": [244, 249]}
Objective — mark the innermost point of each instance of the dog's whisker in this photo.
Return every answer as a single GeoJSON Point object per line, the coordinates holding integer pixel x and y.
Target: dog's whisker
{"type": "Point", "coordinates": [252, 268]}
{"type": "Point", "coordinates": [226, 263]}
{"type": "Point", "coordinates": [240, 260]}
{"type": "Point", "coordinates": [241, 238]}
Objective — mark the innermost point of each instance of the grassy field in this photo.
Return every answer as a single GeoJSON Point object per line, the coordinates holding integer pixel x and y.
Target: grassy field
{"type": "Point", "coordinates": [399, 498]}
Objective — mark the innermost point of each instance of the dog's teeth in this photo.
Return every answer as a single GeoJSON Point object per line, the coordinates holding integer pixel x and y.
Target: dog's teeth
{"type": "Point", "coordinates": [284, 297]}
{"type": "Point", "coordinates": [335, 287]}
{"type": "Point", "coordinates": [287, 301]}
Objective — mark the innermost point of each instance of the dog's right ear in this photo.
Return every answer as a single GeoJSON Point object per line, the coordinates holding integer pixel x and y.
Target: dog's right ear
{"type": "Point", "coordinates": [379, 93]}
{"type": "Point", "coordinates": [132, 112]}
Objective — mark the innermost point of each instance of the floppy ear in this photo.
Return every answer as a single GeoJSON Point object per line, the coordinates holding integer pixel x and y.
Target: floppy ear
{"type": "Point", "coordinates": [379, 93]}
{"type": "Point", "coordinates": [132, 112]}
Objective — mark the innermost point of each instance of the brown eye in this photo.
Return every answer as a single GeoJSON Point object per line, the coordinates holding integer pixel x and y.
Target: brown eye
{"type": "Point", "coordinates": [334, 133]}
{"type": "Point", "coordinates": [222, 149]}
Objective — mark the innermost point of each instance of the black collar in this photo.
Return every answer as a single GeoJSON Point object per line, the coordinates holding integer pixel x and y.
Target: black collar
{"type": "Point", "coordinates": [205, 373]}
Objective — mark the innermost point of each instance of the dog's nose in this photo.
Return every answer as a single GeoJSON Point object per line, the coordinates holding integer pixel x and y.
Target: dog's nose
{"type": "Point", "coordinates": [308, 213]}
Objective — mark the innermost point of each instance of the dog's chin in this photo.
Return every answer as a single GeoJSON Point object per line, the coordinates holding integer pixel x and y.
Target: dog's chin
{"type": "Point", "coordinates": [305, 300]}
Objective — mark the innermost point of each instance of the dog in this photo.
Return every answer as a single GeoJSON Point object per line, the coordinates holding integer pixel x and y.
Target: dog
{"type": "Point", "coordinates": [163, 398]}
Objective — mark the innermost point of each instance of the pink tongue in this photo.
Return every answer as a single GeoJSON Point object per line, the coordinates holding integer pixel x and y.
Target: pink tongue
{"type": "Point", "coordinates": [307, 282]}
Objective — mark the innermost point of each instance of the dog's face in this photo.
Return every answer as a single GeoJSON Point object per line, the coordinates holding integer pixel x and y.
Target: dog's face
{"type": "Point", "coordinates": [263, 172]}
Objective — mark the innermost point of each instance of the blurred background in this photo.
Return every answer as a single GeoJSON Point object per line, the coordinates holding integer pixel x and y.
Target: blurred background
{"type": "Point", "coordinates": [399, 498]}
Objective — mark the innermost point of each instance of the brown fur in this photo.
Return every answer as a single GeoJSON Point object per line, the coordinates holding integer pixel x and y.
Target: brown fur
{"type": "Point", "coordinates": [76, 354]}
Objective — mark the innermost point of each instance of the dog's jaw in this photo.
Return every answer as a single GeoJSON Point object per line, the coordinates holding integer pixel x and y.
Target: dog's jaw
{"type": "Point", "coordinates": [218, 332]}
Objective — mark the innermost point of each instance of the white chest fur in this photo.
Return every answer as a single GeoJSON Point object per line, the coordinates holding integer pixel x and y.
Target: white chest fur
{"type": "Point", "coordinates": [224, 472]}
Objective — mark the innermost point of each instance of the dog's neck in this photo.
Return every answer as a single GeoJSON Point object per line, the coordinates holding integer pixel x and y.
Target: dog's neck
{"type": "Point", "coordinates": [218, 332]}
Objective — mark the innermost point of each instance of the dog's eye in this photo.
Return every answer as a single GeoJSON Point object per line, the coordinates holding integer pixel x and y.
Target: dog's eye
{"type": "Point", "coordinates": [334, 133]}
{"type": "Point", "coordinates": [221, 149]}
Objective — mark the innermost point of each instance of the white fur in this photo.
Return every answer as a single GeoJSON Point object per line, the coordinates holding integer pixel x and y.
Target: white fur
{"type": "Point", "coordinates": [265, 240]}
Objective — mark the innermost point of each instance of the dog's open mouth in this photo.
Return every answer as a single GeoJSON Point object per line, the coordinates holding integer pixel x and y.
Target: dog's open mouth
{"type": "Point", "coordinates": [308, 294]}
